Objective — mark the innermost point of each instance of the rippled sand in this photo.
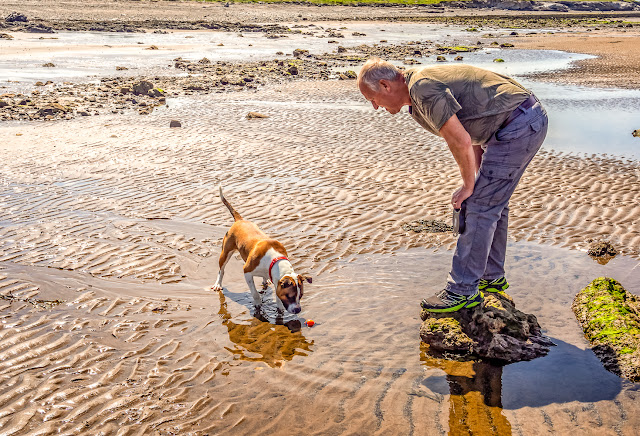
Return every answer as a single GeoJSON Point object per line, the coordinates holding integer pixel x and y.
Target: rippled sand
{"type": "Point", "coordinates": [119, 217]}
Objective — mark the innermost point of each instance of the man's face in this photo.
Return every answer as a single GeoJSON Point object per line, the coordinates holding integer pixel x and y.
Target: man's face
{"type": "Point", "coordinates": [387, 96]}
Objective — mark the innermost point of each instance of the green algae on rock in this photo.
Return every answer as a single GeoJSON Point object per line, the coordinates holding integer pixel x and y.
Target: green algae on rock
{"type": "Point", "coordinates": [610, 319]}
{"type": "Point", "coordinates": [494, 329]}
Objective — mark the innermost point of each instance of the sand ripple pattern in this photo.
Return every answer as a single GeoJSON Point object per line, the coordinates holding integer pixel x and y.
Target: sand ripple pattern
{"type": "Point", "coordinates": [121, 219]}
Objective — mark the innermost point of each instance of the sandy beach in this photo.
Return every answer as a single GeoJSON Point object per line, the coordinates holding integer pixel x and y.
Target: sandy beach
{"type": "Point", "coordinates": [110, 231]}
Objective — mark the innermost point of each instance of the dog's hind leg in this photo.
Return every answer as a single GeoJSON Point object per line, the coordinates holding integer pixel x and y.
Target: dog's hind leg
{"type": "Point", "coordinates": [228, 247]}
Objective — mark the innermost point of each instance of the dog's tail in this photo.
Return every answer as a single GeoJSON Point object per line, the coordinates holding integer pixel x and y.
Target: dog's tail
{"type": "Point", "coordinates": [235, 214]}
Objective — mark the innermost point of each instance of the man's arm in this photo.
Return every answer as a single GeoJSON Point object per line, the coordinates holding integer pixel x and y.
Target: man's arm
{"type": "Point", "coordinates": [459, 143]}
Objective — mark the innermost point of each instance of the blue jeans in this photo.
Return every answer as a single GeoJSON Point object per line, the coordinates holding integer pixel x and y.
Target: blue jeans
{"type": "Point", "coordinates": [481, 248]}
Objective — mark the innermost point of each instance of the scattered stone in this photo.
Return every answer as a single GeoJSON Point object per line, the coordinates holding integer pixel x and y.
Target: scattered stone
{"type": "Point", "coordinates": [204, 61]}
{"type": "Point", "coordinates": [427, 226]}
{"type": "Point", "coordinates": [610, 319]}
{"type": "Point", "coordinates": [494, 329]}
{"type": "Point", "coordinates": [84, 113]}
{"type": "Point", "coordinates": [458, 58]}
{"type": "Point", "coordinates": [38, 28]}
{"type": "Point", "coordinates": [498, 60]}
{"type": "Point", "coordinates": [5, 36]}
{"type": "Point", "coordinates": [48, 65]}
{"type": "Point", "coordinates": [341, 49]}
{"type": "Point", "coordinates": [252, 115]}
{"type": "Point", "coordinates": [121, 68]}
{"type": "Point", "coordinates": [279, 53]}
{"type": "Point", "coordinates": [506, 45]}
{"type": "Point", "coordinates": [153, 47]}
{"type": "Point", "coordinates": [14, 17]}
{"type": "Point", "coordinates": [52, 109]}
{"type": "Point", "coordinates": [300, 52]}
{"type": "Point", "coordinates": [175, 123]}
{"type": "Point", "coordinates": [3, 103]}
{"type": "Point", "coordinates": [155, 92]}
{"type": "Point", "coordinates": [441, 59]}
{"type": "Point", "coordinates": [601, 251]}
{"type": "Point", "coordinates": [142, 87]}
{"type": "Point", "coordinates": [293, 70]}
{"type": "Point", "coordinates": [636, 133]}
{"type": "Point", "coordinates": [358, 34]}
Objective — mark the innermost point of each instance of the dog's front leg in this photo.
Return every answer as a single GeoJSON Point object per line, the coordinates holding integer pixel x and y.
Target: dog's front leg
{"type": "Point", "coordinates": [280, 306]}
{"type": "Point", "coordinates": [265, 283]}
{"type": "Point", "coordinates": [257, 299]}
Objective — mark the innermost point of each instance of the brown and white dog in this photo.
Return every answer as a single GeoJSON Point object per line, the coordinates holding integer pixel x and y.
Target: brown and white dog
{"type": "Point", "coordinates": [264, 257]}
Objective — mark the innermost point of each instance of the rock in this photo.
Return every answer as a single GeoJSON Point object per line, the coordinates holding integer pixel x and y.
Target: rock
{"type": "Point", "coordinates": [155, 92]}
{"type": "Point", "coordinates": [38, 28]}
{"type": "Point", "coordinates": [84, 113]}
{"type": "Point", "coordinates": [51, 109]}
{"type": "Point", "coordinates": [252, 115]}
{"type": "Point", "coordinates": [498, 60]}
{"type": "Point", "coordinates": [610, 319]}
{"type": "Point", "coordinates": [636, 133]}
{"type": "Point", "coordinates": [204, 61]}
{"type": "Point", "coordinates": [5, 36]}
{"type": "Point", "coordinates": [293, 70]}
{"type": "Point", "coordinates": [142, 87]}
{"type": "Point", "coordinates": [494, 329]}
{"type": "Point", "coordinates": [49, 65]}
{"type": "Point", "coordinates": [506, 45]}
{"type": "Point", "coordinates": [300, 52]}
{"type": "Point", "coordinates": [123, 90]}
{"type": "Point", "coordinates": [121, 68]}
{"type": "Point", "coordinates": [14, 17]}
{"type": "Point", "coordinates": [601, 248]}
{"type": "Point", "coordinates": [427, 226]}
{"type": "Point", "coordinates": [441, 59]}
{"type": "Point", "coordinates": [153, 47]}
{"type": "Point", "coordinates": [458, 58]}
{"type": "Point", "coordinates": [341, 49]}
{"type": "Point", "coordinates": [175, 123]}
{"type": "Point", "coordinates": [3, 104]}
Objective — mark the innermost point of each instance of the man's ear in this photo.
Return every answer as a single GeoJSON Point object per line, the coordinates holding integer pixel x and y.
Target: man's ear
{"type": "Point", "coordinates": [385, 85]}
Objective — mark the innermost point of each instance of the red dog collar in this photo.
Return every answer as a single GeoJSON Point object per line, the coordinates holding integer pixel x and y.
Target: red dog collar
{"type": "Point", "coordinates": [273, 262]}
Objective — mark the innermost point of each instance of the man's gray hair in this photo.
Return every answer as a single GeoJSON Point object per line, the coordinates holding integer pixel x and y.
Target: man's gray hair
{"type": "Point", "coordinates": [374, 70]}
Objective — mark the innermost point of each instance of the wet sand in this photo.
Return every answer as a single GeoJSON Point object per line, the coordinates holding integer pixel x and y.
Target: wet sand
{"type": "Point", "coordinates": [119, 217]}
{"type": "Point", "coordinates": [617, 64]}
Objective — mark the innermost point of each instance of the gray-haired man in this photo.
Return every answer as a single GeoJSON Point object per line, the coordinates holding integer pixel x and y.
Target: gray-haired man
{"type": "Point", "coordinates": [493, 127]}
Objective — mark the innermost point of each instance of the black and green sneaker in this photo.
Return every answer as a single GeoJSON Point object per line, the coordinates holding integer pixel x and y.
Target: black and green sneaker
{"type": "Point", "coordinates": [446, 301]}
{"type": "Point", "coordinates": [496, 285]}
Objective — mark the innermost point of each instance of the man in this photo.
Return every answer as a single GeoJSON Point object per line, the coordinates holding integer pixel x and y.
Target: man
{"type": "Point", "coordinates": [493, 127]}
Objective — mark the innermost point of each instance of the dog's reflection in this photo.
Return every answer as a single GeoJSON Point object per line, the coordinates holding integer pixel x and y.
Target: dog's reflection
{"type": "Point", "coordinates": [264, 338]}
{"type": "Point", "coordinates": [475, 404]}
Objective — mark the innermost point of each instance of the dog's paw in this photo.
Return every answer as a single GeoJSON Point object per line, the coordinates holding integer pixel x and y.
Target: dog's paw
{"type": "Point", "coordinates": [265, 285]}
{"type": "Point", "coordinates": [216, 287]}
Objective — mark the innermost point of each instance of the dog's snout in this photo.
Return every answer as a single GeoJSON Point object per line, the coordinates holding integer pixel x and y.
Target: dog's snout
{"type": "Point", "coordinates": [294, 309]}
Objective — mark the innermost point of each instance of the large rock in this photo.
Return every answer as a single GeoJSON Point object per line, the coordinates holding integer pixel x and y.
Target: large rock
{"type": "Point", "coordinates": [14, 17]}
{"type": "Point", "coordinates": [142, 87]}
{"type": "Point", "coordinates": [494, 329]}
{"type": "Point", "coordinates": [610, 319]}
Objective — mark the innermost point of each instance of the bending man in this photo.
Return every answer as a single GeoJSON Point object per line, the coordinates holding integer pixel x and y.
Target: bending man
{"type": "Point", "coordinates": [493, 127]}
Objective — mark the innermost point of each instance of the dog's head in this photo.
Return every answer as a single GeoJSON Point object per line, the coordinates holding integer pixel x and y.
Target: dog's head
{"type": "Point", "coordinates": [290, 290]}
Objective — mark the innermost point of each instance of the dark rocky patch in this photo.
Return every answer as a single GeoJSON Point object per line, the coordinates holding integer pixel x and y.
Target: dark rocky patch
{"type": "Point", "coordinates": [427, 226]}
{"type": "Point", "coordinates": [494, 329]}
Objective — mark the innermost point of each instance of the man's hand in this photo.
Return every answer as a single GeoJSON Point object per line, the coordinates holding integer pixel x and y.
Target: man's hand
{"type": "Point", "coordinates": [459, 143]}
{"type": "Point", "coordinates": [460, 195]}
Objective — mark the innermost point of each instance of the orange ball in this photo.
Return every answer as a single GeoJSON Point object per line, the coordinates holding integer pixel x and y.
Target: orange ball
{"type": "Point", "coordinates": [310, 323]}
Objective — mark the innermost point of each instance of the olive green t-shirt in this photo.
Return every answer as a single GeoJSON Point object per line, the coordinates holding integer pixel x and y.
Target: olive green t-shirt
{"type": "Point", "coordinates": [481, 99]}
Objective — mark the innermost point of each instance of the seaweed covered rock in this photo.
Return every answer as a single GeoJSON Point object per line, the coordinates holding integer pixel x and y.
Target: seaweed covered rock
{"type": "Point", "coordinates": [494, 329]}
{"type": "Point", "coordinates": [610, 319]}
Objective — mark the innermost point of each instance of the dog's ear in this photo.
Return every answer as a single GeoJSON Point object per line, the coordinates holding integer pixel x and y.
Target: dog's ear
{"type": "Point", "coordinates": [304, 277]}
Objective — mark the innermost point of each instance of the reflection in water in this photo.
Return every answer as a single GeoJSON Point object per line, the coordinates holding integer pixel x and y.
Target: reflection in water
{"type": "Point", "coordinates": [260, 341]}
{"type": "Point", "coordinates": [475, 404]}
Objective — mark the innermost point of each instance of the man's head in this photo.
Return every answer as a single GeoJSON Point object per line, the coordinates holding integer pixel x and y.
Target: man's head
{"type": "Point", "coordinates": [383, 85]}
